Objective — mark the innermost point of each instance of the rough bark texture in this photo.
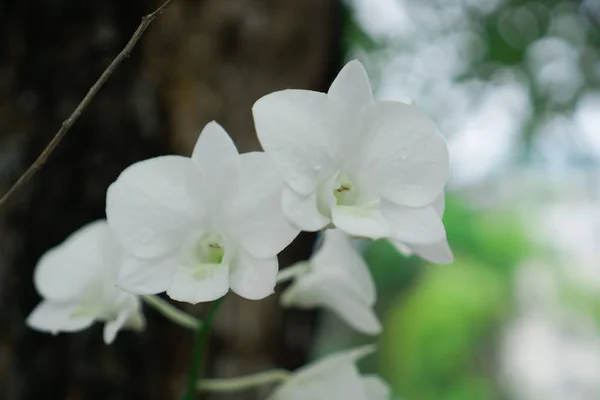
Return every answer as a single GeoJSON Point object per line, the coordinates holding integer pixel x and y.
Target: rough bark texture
{"type": "Point", "coordinates": [201, 60]}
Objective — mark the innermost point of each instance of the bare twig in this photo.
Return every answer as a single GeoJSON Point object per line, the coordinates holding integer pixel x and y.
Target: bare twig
{"type": "Point", "coordinates": [68, 123]}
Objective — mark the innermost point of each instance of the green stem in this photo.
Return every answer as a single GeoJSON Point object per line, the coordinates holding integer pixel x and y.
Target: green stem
{"type": "Point", "coordinates": [199, 347]}
{"type": "Point", "coordinates": [173, 313]}
{"type": "Point", "coordinates": [243, 382]}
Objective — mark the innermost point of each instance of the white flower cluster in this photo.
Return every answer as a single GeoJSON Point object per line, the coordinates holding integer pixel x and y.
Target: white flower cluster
{"type": "Point", "coordinates": [196, 227]}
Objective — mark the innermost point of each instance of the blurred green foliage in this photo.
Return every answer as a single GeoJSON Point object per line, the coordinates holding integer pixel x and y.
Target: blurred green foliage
{"type": "Point", "coordinates": [495, 238]}
{"type": "Point", "coordinates": [433, 335]}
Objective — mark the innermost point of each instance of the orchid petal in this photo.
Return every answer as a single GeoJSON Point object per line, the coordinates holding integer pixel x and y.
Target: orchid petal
{"type": "Point", "coordinates": [351, 309]}
{"type": "Point", "coordinates": [439, 253]}
{"type": "Point", "coordinates": [302, 211]}
{"type": "Point", "coordinates": [403, 153]}
{"type": "Point", "coordinates": [414, 225]}
{"type": "Point", "coordinates": [337, 256]}
{"type": "Point", "coordinates": [194, 286]}
{"type": "Point", "coordinates": [253, 278]}
{"type": "Point", "coordinates": [298, 129]}
{"type": "Point", "coordinates": [376, 388]}
{"type": "Point", "coordinates": [151, 206]}
{"type": "Point", "coordinates": [360, 221]}
{"type": "Point", "coordinates": [403, 248]}
{"type": "Point", "coordinates": [439, 204]}
{"type": "Point", "coordinates": [55, 317]}
{"type": "Point", "coordinates": [80, 258]}
{"type": "Point", "coordinates": [257, 215]}
{"type": "Point", "coordinates": [315, 291]}
{"type": "Point", "coordinates": [147, 275]}
{"type": "Point", "coordinates": [352, 87]}
{"type": "Point", "coordinates": [337, 360]}
{"type": "Point", "coordinates": [334, 377]}
{"type": "Point", "coordinates": [213, 148]}
{"type": "Point", "coordinates": [338, 279]}
{"type": "Point", "coordinates": [112, 327]}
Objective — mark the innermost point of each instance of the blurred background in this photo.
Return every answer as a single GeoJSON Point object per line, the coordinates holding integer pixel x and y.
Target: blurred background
{"type": "Point", "coordinates": [514, 86]}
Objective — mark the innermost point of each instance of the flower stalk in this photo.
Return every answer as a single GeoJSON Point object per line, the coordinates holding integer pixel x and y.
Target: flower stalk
{"type": "Point", "coordinates": [172, 313]}
{"type": "Point", "coordinates": [199, 349]}
{"type": "Point", "coordinates": [243, 382]}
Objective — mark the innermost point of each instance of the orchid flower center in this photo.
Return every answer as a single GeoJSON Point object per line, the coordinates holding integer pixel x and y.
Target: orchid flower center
{"type": "Point", "coordinates": [353, 194]}
{"type": "Point", "coordinates": [338, 190]}
{"type": "Point", "coordinates": [209, 253]}
{"type": "Point", "coordinates": [210, 248]}
{"type": "Point", "coordinates": [344, 191]}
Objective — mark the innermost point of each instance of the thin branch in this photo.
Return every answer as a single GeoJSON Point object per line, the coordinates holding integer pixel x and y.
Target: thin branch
{"type": "Point", "coordinates": [68, 123]}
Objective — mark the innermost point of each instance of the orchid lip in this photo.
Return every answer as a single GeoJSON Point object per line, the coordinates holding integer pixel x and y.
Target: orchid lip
{"type": "Point", "coordinates": [205, 255]}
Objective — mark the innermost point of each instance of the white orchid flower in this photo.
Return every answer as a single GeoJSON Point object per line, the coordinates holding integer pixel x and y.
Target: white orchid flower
{"type": "Point", "coordinates": [77, 280]}
{"type": "Point", "coordinates": [336, 278]}
{"type": "Point", "coordinates": [371, 169]}
{"type": "Point", "coordinates": [438, 252]}
{"type": "Point", "coordinates": [335, 377]}
{"type": "Point", "coordinates": [198, 226]}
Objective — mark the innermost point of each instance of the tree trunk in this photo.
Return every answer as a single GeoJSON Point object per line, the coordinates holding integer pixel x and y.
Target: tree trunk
{"type": "Point", "coordinates": [200, 60]}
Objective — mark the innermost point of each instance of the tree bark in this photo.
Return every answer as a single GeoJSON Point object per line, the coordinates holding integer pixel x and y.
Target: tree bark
{"type": "Point", "coordinates": [201, 60]}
